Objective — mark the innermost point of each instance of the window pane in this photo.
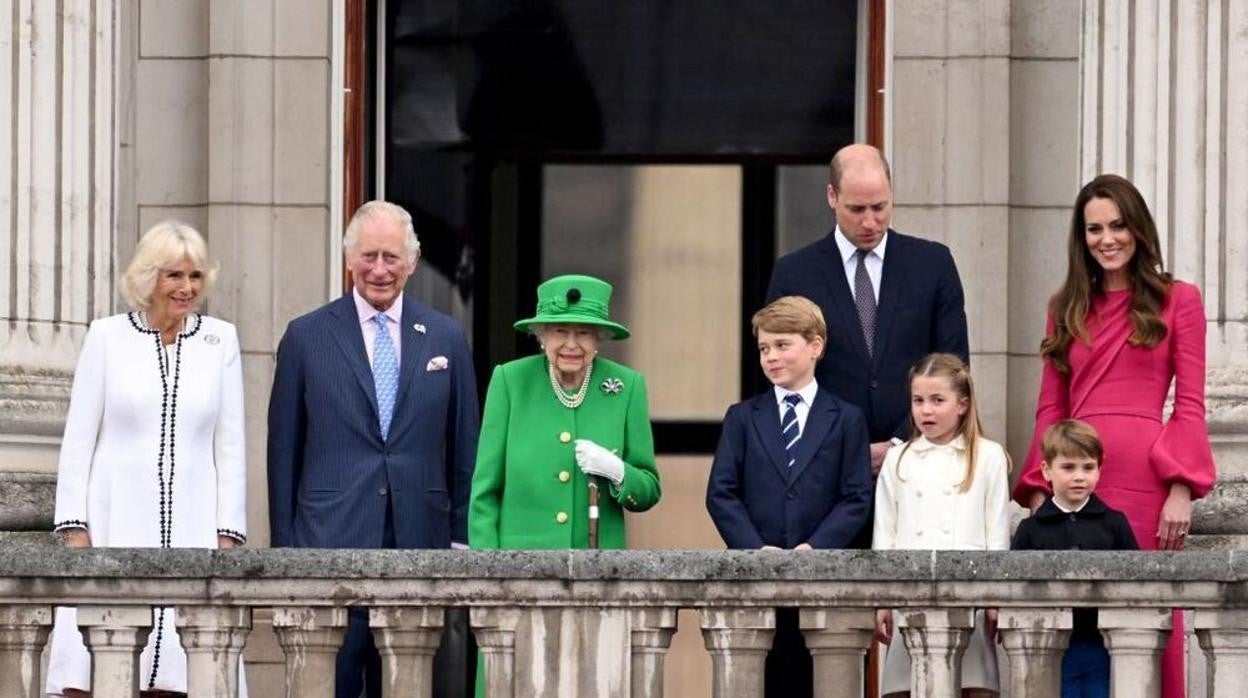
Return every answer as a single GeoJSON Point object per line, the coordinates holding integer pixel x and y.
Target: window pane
{"type": "Point", "coordinates": [668, 238]}
{"type": "Point", "coordinates": [802, 213]}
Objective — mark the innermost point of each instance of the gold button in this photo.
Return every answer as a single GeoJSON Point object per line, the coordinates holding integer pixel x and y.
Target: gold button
{"type": "Point", "coordinates": [561, 517]}
{"type": "Point", "coordinates": [565, 436]}
{"type": "Point", "coordinates": [564, 476]}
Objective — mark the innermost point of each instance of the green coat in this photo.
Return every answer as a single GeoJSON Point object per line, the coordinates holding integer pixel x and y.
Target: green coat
{"type": "Point", "coordinates": [527, 491]}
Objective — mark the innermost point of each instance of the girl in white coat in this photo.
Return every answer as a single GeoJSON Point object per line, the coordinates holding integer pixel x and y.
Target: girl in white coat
{"type": "Point", "coordinates": [945, 489]}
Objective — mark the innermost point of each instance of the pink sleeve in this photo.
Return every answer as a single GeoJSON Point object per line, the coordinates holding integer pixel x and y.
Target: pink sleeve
{"type": "Point", "coordinates": [1052, 405]}
{"type": "Point", "coordinates": [1182, 452]}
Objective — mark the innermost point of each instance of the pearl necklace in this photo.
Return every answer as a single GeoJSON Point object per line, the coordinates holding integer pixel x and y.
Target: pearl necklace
{"type": "Point", "coordinates": [573, 401]}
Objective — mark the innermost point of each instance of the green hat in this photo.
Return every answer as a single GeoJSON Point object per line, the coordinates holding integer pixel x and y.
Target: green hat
{"type": "Point", "coordinates": [574, 298]}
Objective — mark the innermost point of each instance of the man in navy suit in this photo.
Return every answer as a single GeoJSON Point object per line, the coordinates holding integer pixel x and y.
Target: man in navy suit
{"type": "Point", "coordinates": [792, 468]}
{"type": "Point", "coordinates": [889, 299]}
{"type": "Point", "coordinates": [373, 421]}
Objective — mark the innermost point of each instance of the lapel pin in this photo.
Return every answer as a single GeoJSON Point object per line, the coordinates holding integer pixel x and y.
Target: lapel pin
{"type": "Point", "coordinates": [212, 339]}
{"type": "Point", "coordinates": [419, 328]}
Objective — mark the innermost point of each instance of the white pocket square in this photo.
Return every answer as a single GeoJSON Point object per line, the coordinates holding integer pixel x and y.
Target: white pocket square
{"type": "Point", "coordinates": [437, 363]}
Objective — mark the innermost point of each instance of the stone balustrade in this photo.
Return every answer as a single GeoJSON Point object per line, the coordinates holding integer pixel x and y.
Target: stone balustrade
{"type": "Point", "coordinates": [630, 594]}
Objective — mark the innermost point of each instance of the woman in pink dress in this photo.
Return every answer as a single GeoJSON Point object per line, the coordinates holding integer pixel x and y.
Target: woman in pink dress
{"type": "Point", "coordinates": [1119, 329]}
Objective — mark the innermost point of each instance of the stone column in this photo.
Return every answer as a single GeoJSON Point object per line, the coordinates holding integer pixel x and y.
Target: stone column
{"type": "Point", "coordinates": [213, 637]}
{"type": "Point", "coordinates": [838, 640]}
{"type": "Point", "coordinates": [1034, 640]}
{"type": "Point", "coordinates": [495, 630]}
{"type": "Point", "coordinates": [935, 638]}
{"type": "Point", "coordinates": [407, 638]}
{"type": "Point", "coordinates": [738, 640]}
{"type": "Point", "coordinates": [23, 633]}
{"type": "Point", "coordinates": [651, 631]}
{"type": "Point", "coordinates": [115, 635]}
{"type": "Point", "coordinates": [1162, 106]}
{"type": "Point", "coordinates": [57, 149]}
{"type": "Point", "coordinates": [1223, 635]}
{"type": "Point", "coordinates": [1135, 639]}
{"type": "Point", "coordinates": [310, 638]}
{"type": "Point", "coordinates": [949, 117]}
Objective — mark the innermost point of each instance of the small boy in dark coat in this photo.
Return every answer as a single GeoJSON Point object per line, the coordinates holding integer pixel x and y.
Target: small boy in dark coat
{"type": "Point", "coordinates": [1076, 519]}
{"type": "Point", "coordinates": [792, 470]}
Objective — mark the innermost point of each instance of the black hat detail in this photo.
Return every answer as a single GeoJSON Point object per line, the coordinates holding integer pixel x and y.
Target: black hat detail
{"type": "Point", "coordinates": [574, 295]}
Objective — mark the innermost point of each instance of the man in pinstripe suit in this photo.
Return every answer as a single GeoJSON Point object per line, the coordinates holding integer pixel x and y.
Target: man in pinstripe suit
{"type": "Point", "coordinates": [373, 421]}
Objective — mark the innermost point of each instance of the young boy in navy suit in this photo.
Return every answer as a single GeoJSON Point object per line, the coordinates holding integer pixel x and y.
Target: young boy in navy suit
{"type": "Point", "coordinates": [1074, 518]}
{"type": "Point", "coordinates": [792, 469]}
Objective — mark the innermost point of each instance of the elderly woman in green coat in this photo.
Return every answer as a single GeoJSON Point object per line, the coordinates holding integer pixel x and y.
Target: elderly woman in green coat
{"type": "Point", "coordinates": [554, 421]}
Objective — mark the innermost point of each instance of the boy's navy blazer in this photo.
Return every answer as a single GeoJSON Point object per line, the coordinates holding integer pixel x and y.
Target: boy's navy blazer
{"type": "Point", "coordinates": [920, 311]}
{"type": "Point", "coordinates": [755, 499]}
{"type": "Point", "coordinates": [331, 475]}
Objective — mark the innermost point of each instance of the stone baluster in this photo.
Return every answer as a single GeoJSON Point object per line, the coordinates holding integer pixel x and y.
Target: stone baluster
{"type": "Point", "coordinates": [407, 638]}
{"type": "Point", "coordinates": [935, 638]}
{"type": "Point", "coordinates": [23, 632]}
{"type": "Point", "coordinates": [213, 637]}
{"type": "Point", "coordinates": [495, 630]}
{"type": "Point", "coordinates": [310, 638]}
{"type": "Point", "coordinates": [838, 640]}
{"type": "Point", "coordinates": [115, 635]}
{"type": "Point", "coordinates": [650, 632]}
{"type": "Point", "coordinates": [1223, 635]}
{"type": "Point", "coordinates": [1135, 639]}
{"type": "Point", "coordinates": [738, 640]}
{"type": "Point", "coordinates": [1034, 639]}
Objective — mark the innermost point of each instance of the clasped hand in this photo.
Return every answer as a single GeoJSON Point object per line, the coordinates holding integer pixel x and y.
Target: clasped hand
{"type": "Point", "coordinates": [593, 459]}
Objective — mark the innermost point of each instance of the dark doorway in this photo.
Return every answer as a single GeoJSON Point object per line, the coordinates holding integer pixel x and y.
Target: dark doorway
{"type": "Point", "coordinates": [483, 97]}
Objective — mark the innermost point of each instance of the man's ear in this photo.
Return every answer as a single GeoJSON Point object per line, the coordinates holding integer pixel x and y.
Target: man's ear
{"type": "Point", "coordinates": [831, 197]}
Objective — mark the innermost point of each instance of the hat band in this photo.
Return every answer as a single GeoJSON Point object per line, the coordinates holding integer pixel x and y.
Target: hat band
{"type": "Point", "coordinates": [559, 306]}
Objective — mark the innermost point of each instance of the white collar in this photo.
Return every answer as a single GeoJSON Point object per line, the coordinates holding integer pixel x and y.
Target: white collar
{"type": "Point", "coordinates": [1070, 511]}
{"type": "Point", "coordinates": [847, 249]}
{"type": "Point", "coordinates": [922, 444]}
{"type": "Point", "coordinates": [808, 392]}
{"type": "Point", "coordinates": [366, 311]}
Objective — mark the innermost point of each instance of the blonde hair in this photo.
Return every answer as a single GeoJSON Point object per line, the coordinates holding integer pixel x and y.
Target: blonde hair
{"type": "Point", "coordinates": [792, 315]}
{"type": "Point", "coordinates": [163, 245]}
{"type": "Point", "coordinates": [382, 210]}
{"type": "Point", "coordinates": [1072, 438]}
{"type": "Point", "coordinates": [955, 370]}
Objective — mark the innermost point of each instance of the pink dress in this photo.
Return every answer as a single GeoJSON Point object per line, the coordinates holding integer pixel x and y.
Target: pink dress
{"type": "Point", "coordinates": [1120, 390]}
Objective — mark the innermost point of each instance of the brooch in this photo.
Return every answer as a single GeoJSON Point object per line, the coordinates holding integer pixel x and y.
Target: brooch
{"type": "Point", "coordinates": [212, 339]}
{"type": "Point", "coordinates": [612, 386]}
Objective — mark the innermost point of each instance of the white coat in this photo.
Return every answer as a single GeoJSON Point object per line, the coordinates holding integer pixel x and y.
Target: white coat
{"type": "Point", "coordinates": [152, 456]}
{"type": "Point", "coordinates": [919, 506]}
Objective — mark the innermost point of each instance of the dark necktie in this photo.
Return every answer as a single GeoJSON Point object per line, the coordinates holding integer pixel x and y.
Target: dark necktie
{"type": "Point", "coordinates": [789, 428]}
{"type": "Point", "coordinates": [864, 299]}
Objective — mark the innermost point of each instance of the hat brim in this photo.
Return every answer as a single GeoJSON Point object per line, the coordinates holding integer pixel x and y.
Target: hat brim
{"type": "Point", "coordinates": [618, 331]}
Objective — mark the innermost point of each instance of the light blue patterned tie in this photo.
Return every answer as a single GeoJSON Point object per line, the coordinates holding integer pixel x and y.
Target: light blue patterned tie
{"type": "Point", "coordinates": [385, 373]}
{"type": "Point", "coordinates": [789, 428]}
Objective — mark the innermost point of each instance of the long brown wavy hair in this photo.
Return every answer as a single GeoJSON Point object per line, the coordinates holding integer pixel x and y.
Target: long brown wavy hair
{"type": "Point", "coordinates": [955, 370]}
{"type": "Point", "coordinates": [1149, 280]}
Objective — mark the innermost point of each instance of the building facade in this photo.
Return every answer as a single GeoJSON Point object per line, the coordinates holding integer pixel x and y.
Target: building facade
{"type": "Point", "coordinates": [230, 116]}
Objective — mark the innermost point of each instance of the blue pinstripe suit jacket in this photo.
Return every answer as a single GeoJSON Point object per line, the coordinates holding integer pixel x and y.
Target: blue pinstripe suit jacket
{"type": "Point", "coordinates": [330, 472]}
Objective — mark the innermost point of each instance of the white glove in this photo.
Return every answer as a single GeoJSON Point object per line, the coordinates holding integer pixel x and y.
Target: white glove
{"type": "Point", "coordinates": [593, 459]}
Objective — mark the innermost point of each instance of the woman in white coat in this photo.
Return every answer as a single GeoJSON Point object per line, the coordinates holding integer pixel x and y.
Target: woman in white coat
{"type": "Point", "coordinates": [153, 451]}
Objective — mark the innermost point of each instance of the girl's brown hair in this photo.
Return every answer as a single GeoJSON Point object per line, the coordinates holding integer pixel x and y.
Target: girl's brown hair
{"type": "Point", "coordinates": [1149, 280]}
{"type": "Point", "coordinates": [958, 374]}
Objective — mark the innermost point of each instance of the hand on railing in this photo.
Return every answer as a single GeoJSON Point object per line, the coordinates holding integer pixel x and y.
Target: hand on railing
{"type": "Point", "coordinates": [884, 625]}
{"type": "Point", "coordinates": [76, 538]}
{"type": "Point", "coordinates": [226, 542]}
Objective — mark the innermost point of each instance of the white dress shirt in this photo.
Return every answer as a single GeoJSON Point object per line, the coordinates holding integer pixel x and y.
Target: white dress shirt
{"type": "Point", "coordinates": [394, 319]}
{"type": "Point", "coordinates": [849, 258]}
{"type": "Point", "coordinates": [802, 408]}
